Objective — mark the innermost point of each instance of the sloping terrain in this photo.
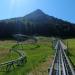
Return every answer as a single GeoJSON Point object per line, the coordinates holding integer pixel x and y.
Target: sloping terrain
{"type": "Point", "coordinates": [38, 54]}
{"type": "Point", "coordinates": [37, 23]}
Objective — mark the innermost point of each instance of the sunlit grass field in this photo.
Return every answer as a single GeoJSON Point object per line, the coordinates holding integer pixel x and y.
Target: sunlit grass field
{"type": "Point", "coordinates": [71, 49]}
{"type": "Point", "coordinates": [37, 54]}
{"type": "Point", "coordinates": [5, 53]}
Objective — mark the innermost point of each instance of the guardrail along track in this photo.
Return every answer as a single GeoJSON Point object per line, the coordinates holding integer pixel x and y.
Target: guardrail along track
{"type": "Point", "coordinates": [8, 66]}
{"type": "Point", "coordinates": [61, 64]}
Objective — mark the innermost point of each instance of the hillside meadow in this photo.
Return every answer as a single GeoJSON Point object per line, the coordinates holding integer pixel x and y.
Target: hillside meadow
{"type": "Point", "coordinates": [71, 49]}
{"type": "Point", "coordinates": [38, 54]}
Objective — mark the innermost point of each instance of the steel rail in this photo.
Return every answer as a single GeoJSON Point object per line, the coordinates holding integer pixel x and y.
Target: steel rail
{"type": "Point", "coordinates": [52, 66]}
{"type": "Point", "coordinates": [61, 64]}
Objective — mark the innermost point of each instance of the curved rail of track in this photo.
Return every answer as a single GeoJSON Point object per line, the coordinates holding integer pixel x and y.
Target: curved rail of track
{"type": "Point", "coordinates": [61, 64]}
{"type": "Point", "coordinates": [7, 66]}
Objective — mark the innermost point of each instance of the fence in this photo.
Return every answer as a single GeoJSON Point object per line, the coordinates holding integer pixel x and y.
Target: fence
{"type": "Point", "coordinates": [10, 65]}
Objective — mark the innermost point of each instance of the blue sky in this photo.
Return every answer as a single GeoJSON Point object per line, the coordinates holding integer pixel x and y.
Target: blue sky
{"type": "Point", "coordinates": [63, 9]}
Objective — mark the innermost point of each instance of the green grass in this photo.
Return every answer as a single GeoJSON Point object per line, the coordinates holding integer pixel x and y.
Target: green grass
{"type": "Point", "coordinates": [9, 57]}
{"type": "Point", "coordinates": [5, 53]}
{"type": "Point", "coordinates": [71, 49]}
{"type": "Point", "coordinates": [35, 56]}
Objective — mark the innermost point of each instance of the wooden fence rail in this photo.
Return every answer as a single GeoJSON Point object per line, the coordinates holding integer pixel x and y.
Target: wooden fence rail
{"type": "Point", "coordinates": [10, 65]}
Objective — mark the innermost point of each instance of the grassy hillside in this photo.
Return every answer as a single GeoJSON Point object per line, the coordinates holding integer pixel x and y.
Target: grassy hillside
{"type": "Point", "coordinates": [5, 54]}
{"type": "Point", "coordinates": [37, 54]}
{"type": "Point", "coordinates": [71, 49]}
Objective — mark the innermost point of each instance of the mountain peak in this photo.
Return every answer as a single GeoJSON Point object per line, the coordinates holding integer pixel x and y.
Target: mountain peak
{"type": "Point", "coordinates": [37, 15]}
{"type": "Point", "coordinates": [39, 11]}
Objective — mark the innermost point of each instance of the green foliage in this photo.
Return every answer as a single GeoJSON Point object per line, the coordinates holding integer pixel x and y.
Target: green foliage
{"type": "Point", "coordinates": [71, 49]}
{"type": "Point", "coordinates": [35, 56]}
